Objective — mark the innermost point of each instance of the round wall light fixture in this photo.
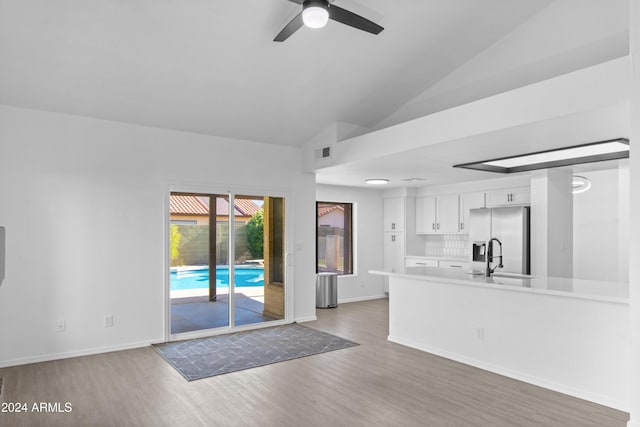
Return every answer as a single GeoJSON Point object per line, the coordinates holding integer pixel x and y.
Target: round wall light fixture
{"type": "Point", "coordinates": [580, 184]}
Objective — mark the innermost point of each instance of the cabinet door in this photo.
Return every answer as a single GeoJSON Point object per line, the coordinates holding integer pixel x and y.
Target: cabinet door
{"type": "Point", "coordinates": [497, 198]}
{"type": "Point", "coordinates": [394, 214]}
{"type": "Point", "coordinates": [521, 196]}
{"type": "Point", "coordinates": [509, 196]}
{"type": "Point", "coordinates": [393, 251]}
{"type": "Point", "coordinates": [425, 214]}
{"type": "Point", "coordinates": [453, 264]}
{"type": "Point", "coordinates": [469, 201]}
{"type": "Point", "coordinates": [421, 262]}
{"type": "Point", "coordinates": [447, 214]}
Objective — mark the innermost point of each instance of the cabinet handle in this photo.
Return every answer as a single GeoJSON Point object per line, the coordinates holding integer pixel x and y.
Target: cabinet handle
{"type": "Point", "coordinates": [421, 263]}
{"type": "Point", "coordinates": [438, 226]}
{"type": "Point", "coordinates": [393, 237]}
{"type": "Point", "coordinates": [393, 225]}
{"type": "Point", "coordinates": [462, 226]}
{"type": "Point", "coordinates": [433, 225]}
{"type": "Point", "coordinates": [455, 266]}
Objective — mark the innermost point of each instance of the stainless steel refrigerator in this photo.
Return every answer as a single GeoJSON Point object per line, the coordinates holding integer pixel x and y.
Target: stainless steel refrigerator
{"type": "Point", "coordinates": [510, 225]}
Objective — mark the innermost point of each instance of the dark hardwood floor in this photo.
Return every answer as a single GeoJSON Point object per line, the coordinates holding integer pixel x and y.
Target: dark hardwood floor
{"type": "Point", "coordinates": [375, 384]}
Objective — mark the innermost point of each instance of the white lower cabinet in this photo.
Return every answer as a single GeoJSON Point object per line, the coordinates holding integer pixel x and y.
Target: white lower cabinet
{"type": "Point", "coordinates": [454, 264]}
{"type": "Point", "coordinates": [431, 262]}
{"type": "Point", "coordinates": [420, 262]}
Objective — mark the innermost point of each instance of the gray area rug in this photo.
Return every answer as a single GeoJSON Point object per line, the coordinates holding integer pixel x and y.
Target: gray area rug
{"type": "Point", "coordinates": [206, 357]}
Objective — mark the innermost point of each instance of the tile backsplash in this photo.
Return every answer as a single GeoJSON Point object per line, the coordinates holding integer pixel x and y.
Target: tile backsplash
{"type": "Point", "coordinates": [447, 245]}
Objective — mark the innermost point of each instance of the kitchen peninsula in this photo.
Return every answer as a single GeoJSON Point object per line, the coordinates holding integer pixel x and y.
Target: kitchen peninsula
{"type": "Point", "coordinates": [568, 335]}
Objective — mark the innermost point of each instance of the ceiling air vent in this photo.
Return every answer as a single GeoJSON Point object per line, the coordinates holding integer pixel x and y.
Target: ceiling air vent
{"type": "Point", "coordinates": [323, 153]}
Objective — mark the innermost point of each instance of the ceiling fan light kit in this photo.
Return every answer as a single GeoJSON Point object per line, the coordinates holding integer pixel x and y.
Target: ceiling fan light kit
{"type": "Point", "coordinates": [315, 14]}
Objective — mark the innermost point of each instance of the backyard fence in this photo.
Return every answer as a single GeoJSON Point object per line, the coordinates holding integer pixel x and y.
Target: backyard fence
{"type": "Point", "coordinates": [330, 249]}
{"type": "Point", "coordinates": [193, 248]}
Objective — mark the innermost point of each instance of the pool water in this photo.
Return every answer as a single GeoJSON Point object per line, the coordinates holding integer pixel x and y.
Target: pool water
{"type": "Point", "coordinates": [199, 279]}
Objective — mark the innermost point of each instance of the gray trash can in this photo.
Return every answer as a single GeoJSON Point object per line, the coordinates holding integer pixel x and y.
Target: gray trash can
{"type": "Point", "coordinates": [327, 290]}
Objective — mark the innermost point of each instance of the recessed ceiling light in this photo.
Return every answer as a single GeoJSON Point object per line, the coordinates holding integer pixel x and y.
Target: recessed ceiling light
{"type": "Point", "coordinates": [580, 184]}
{"type": "Point", "coordinates": [587, 153]}
{"type": "Point", "coordinates": [377, 181]}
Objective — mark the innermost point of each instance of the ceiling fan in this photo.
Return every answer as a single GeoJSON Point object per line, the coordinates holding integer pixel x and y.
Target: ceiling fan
{"type": "Point", "coordinates": [316, 13]}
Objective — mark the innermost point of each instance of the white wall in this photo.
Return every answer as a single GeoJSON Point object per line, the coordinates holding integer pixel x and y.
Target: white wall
{"type": "Point", "coordinates": [551, 223]}
{"type": "Point", "coordinates": [368, 241]}
{"type": "Point", "coordinates": [597, 228]}
{"type": "Point", "coordinates": [84, 204]}
{"type": "Point", "coordinates": [634, 224]}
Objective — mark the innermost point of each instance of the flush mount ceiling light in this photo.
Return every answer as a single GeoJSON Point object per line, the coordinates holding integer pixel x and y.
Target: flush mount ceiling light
{"type": "Point", "coordinates": [377, 181]}
{"type": "Point", "coordinates": [611, 149]}
{"type": "Point", "coordinates": [315, 14]}
{"type": "Point", "coordinates": [580, 184]}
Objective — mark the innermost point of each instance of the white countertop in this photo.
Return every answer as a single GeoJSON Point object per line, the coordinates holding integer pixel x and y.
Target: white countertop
{"type": "Point", "coordinates": [614, 292]}
{"type": "Point", "coordinates": [439, 258]}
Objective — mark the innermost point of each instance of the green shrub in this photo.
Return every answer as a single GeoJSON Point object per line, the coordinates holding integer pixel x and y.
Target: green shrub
{"type": "Point", "coordinates": [255, 235]}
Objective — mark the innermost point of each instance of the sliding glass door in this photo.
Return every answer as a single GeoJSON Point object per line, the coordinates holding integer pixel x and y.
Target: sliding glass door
{"type": "Point", "coordinates": [258, 273]}
{"type": "Point", "coordinates": [227, 261]}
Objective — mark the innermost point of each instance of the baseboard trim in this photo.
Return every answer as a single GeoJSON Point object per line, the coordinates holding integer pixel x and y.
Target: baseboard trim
{"type": "Point", "coordinates": [77, 353]}
{"type": "Point", "coordinates": [306, 319]}
{"type": "Point", "coordinates": [516, 375]}
{"type": "Point", "coordinates": [357, 299]}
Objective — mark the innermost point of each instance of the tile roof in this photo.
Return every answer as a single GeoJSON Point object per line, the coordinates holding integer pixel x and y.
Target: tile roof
{"type": "Point", "coordinates": [187, 205]}
{"type": "Point", "coordinates": [325, 209]}
{"type": "Point", "coordinates": [183, 204]}
{"type": "Point", "coordinates": [247, 207]}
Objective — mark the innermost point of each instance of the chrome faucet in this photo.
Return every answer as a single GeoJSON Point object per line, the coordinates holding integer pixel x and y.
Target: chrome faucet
{"type": "Point", "coordinates": [490, 257]}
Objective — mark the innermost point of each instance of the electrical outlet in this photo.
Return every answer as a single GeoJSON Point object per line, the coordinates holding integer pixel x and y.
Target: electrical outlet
{"type": "Point", "coordinates": [108, 321]}
{"type": "Point", "coordinates": [60, 326]}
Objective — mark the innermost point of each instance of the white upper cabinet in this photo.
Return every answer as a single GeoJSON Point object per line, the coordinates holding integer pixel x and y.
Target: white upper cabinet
{"type": "Point", "coordinates": [509, 196]}
{"type": "Point", "coordinates": [437, 214]}
{"type": "Point", "coordinates": [394, 214]}
{"type": "Point", "coordinates": [469, 201]}
{"type": "Point", "coordinates": [426, 215]}
{"type": "Point", "coordinates": [447, 209]}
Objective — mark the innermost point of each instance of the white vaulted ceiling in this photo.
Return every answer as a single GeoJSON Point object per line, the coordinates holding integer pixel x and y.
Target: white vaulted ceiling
{"type": "Point", "coordinates": [210, 66]}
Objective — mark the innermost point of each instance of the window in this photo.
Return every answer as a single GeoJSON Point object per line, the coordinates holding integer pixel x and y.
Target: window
{"type": "Point", "coordinates": [334, 238]}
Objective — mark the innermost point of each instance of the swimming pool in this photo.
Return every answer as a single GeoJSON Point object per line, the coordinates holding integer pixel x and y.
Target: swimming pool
{"type": "Point", "coordinates": [199, 278]}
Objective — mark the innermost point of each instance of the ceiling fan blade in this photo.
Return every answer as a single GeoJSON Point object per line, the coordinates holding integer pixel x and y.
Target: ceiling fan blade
{"type": "Point", "coordinates": [294, 25]}
{"type": "Point", "coordinates": [349, 18]}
